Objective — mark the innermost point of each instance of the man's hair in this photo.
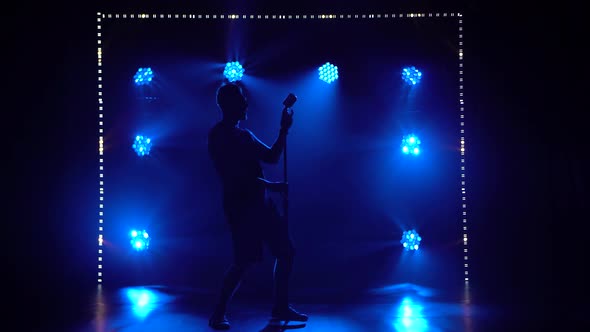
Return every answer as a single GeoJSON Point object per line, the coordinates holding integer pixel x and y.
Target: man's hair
{"type": "Point", "coordinates": [228, 93]}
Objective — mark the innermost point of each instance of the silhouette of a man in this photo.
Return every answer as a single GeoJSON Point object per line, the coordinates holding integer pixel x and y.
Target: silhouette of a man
{"type": "Point", "coordinates": [252, 216]}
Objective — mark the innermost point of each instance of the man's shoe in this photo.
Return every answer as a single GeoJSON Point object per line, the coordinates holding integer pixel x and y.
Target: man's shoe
{"type": "Point", "coordinates": [219, 322]}
{"type": "Point", "coordinates": [288, 314]}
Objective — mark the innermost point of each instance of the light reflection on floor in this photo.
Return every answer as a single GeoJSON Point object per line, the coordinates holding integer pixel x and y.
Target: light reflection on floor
{"type": "Point", "coordinates": [410, 317]}
{"type": "Point", "coordinates": [405, 308]}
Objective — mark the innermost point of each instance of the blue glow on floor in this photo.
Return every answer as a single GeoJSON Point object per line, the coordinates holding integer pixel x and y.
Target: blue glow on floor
{"type": "Point", "coordinates": [410, 317]}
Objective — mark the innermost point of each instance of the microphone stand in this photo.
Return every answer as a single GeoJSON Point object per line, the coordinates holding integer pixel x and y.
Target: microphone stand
{"type": "Point", "coordinates": [286, 193]}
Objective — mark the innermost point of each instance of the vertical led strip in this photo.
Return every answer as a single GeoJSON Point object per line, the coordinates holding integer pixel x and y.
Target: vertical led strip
{"type": "Point", "coordinates": [462, 119]}
{"type": "Point", "coordinates": [100, 148]}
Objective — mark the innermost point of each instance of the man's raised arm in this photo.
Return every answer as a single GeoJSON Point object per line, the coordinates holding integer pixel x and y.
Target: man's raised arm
{"type": "Point", "coordinates": [270, 155]}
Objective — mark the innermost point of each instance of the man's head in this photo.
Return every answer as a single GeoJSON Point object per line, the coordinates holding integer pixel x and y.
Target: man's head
{"type": "Point", "coordinates": [232, 102]}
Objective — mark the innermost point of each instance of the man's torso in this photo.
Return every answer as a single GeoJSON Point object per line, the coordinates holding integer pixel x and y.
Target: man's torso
{"type": "Point", "coordinates": [232, 152]}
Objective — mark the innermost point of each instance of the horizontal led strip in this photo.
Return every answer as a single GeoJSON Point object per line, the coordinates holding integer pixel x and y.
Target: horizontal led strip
{"type": "Point", "coordinates": [275, 17]}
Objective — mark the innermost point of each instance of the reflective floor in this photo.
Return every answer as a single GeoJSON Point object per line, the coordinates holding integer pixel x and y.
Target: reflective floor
{"type": "Point", "coordinates": [399, 308]}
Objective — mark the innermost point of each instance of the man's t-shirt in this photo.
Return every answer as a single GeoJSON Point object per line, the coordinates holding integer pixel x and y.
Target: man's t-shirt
{"type": "Point", "coordinates": [235, 155]}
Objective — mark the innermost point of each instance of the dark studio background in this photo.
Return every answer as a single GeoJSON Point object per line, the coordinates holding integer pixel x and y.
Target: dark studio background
{"type": "Point", "coordinates": [526, 178]}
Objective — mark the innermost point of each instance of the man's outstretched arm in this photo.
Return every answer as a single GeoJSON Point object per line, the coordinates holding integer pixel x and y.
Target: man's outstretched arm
{"type": "Point", "coordinates": [273, 154]}
{"type": "Point", "coordinates": [270, 155]}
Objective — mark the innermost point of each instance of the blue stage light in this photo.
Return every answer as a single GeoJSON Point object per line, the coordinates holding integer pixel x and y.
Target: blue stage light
{"type": "Point", "coordinates": [233, 71]}
{"type": "Point", "coordinates": [143, 76]}
{"type": "Point", "coordinates": [411, 240]}
{"type": "Point", "coordinates": [142, 145]}
{"type": "Point", "coordinates": [411, 75]}
{"type": "Point", "coordinates": [328, 72]}
{"type": "Point", "coordinates": [140, 240]}
{"type": "Point", "coordinates": [410, 145]}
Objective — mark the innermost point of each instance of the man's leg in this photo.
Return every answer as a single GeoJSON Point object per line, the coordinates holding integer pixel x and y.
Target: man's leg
{"type": "Point", "coordinates": [231, 282]}
{"type": "Point", "coordinates": [247, 250]}
{"type": "Point", "coordinates": [279, 241]}
{"type": "Point", "coordinates": [282, 272]}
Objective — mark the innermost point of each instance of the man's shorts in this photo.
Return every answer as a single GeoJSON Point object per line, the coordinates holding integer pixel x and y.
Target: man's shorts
{"type": "Point", "coordinates": [256, 226]}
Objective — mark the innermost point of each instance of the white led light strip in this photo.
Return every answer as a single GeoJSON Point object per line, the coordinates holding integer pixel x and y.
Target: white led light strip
{"type": "Point", "coordinates": [100, 148]}
{"type": "Point", "coordinates": [273, 17]}
{"type": "Point", "coordinates": [462, 122]}
{"type": "Point", "coordinates": [144, 16]}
